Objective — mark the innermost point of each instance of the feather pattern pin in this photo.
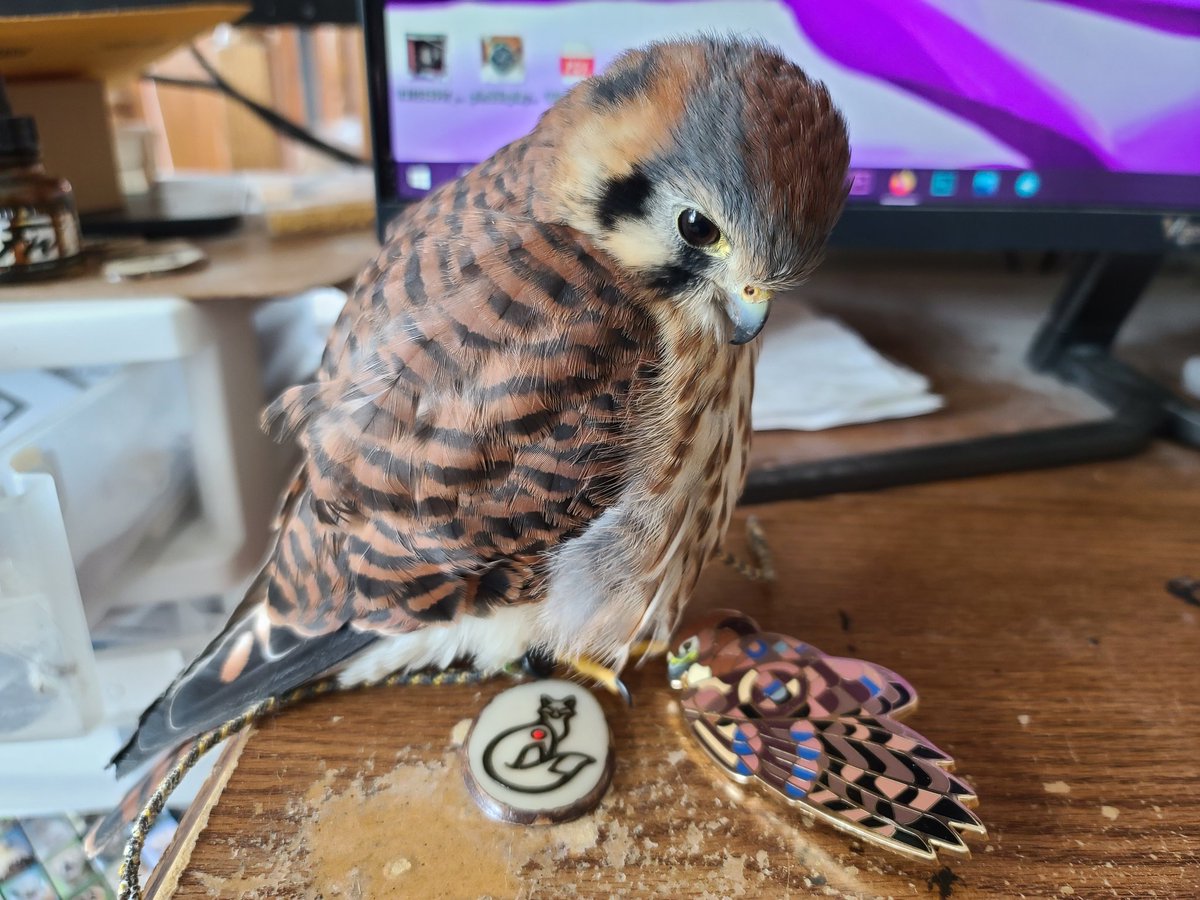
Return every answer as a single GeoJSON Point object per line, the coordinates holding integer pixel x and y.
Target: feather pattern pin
{"type": "Point", "coordinates": [820, 732]}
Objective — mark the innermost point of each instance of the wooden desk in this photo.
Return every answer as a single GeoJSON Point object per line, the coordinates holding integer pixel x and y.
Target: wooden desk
{"type": "Point", "coordinates": [1028, 609]}
{"type": "Point", "coordinates": [246, 265]}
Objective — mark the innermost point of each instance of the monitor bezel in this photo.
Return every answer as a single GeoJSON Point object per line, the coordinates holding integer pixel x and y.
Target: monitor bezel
{"type": "Point", "coordinates": [934, 228]}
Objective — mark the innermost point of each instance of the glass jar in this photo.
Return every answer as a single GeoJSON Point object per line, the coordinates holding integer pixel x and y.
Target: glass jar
{"type": "Point", "coordinates": [39, 227]}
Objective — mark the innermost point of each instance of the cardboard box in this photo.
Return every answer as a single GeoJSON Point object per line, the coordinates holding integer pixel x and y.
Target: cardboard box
{"type": "Point", "coordinates": [77, 137]}
{"type": "Point", "coordinates": [104, 43]}
{"type": "Point", "coordinates": [55, 65]}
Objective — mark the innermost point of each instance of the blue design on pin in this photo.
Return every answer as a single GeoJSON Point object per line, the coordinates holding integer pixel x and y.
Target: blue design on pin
{"type": "Point", "coordinates": [742, 768]}
{"type": "Point", "coordinates": [871, 686]}
{"type": "Point", "coordinates": [755, 649]}
{"type": "Point", "coordinates": [797, 793]}
{"type": "Point", "coordinates": [807, 753]}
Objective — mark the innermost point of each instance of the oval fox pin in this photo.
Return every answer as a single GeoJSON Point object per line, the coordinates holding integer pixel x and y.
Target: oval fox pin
{"type": "Point", "coordinates": [539, 753]}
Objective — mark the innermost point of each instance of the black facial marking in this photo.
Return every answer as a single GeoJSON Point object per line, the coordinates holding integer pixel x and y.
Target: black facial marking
{"type": "Point", "coordinates": [671, 279]}
{"type": "Point", "coordinates": [683, 272]}
{"type": "Point", "coordinates": [615, 89]}
{"type": "Point", "coordinates": [624, 198]}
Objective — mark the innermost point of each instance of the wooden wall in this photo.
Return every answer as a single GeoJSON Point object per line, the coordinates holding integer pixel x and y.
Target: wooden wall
{"type": "Point", "coordinates": [202, 130]}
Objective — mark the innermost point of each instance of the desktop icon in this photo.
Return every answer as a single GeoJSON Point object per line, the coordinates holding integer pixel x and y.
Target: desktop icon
{"type": "Point", "coordinates": [861, 182]}
{"type": "Point", "coordinates": [503, 60]}
{"type": "Point", "coordinates": [1027, 184]}
{"type": "Point", "coordinates": [426, 55]}
{"type": "Point", "coordinates": [986, 183]}
{"type": "Point", "coordinates": [576, 63]}
{"type": "Point", "coordinates": [902, 183]}
{"type": "Point", "coordinates": [419, 177]}
{"type": "Point", "coordinates": [943, 184]}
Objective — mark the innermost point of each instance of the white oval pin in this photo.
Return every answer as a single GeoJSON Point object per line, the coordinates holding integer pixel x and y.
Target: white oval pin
{"type": "Point", "coordinates": [539, 753]}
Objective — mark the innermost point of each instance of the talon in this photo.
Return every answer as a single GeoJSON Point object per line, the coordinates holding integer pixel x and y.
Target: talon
{"type": "Point", "coordinates": [602, 675]}
{"type": "Point", "coordinates": [763, 568]}
{"type": "Point", "coordinates": [624, 692]}
{"type": "Point", "coordinates": [538, 664]}
{"type": "Point", "coordinates": [757, 539]}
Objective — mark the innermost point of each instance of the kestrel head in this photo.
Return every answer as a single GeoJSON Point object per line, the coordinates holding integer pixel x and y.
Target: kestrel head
{"type": "Point", "coordinates": [712, 169]}
{"type": "Point", "coordinates": [703, 638]}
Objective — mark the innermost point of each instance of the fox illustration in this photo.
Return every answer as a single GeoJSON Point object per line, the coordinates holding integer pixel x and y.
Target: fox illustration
{"type": "Point", "coordinates": [526, 758]}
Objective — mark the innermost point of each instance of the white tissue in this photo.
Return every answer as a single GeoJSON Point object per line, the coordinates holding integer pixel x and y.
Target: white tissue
{"type": "Point", "coordinates": [815, 373]}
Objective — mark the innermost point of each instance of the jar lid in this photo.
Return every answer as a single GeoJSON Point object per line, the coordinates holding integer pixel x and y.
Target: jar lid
{"type": "Point", "coordinates": [18, 134]}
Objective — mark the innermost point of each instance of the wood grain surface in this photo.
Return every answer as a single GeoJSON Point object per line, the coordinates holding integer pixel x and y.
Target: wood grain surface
{"type": "Point", "coordinates": [246, 265]}
{"type": "Point", "coordinates": [1029, 610]}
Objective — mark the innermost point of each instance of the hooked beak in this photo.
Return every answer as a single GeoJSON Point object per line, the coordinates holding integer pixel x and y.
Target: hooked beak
{"type": "Point", "coordinates": [747, 310]}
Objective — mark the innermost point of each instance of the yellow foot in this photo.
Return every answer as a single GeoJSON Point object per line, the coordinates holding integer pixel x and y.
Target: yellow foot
{"type": "Point", "coordinates": [642, 649]}
{"type": "Point", "coordinates": [601, 674]}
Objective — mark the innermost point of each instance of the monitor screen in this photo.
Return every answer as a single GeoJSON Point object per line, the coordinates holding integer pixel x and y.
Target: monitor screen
{"type": "Point", "coordinates": [954, 103]}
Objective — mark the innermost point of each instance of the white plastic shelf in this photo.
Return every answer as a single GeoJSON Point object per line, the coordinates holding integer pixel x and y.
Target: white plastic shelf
{"type": "Point", "coordinates": [234, 476]}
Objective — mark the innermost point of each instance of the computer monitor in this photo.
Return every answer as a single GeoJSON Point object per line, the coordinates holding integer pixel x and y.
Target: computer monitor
{"type": "Point", "coordinates": [965, 116]}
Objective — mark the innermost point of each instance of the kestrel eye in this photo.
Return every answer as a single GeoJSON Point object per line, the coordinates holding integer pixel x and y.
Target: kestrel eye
{"type": "Point", "coordinates": [697, 229]}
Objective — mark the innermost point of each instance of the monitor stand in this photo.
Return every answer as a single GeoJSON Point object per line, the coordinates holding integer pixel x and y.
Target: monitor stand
{"type": "Point", "coordinates": [1075, 345]}
{"type": "Point", "coordinates": [172, 209]}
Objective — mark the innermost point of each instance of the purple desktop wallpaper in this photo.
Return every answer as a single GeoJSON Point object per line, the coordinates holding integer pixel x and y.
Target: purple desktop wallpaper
{"type": "Point", "coordinates": [1060, 101]}
{"type": "Point", "coordinates": [926, 52]}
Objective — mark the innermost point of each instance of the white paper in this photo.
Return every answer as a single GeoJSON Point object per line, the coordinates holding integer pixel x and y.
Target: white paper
{"type": "Point", "coordinates": [815, 373]}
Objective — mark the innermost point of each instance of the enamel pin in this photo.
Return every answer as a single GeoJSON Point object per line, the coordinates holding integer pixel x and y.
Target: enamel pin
{"type": "Point", "coordinates": [539, 753]}
{"type": "Point", "coordinates": [820, 732]}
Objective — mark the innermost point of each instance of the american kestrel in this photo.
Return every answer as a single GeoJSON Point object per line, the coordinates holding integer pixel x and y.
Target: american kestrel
{"type": "Point", "coordinates": [531, 424]}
